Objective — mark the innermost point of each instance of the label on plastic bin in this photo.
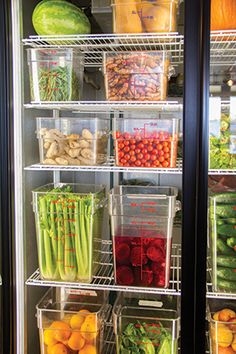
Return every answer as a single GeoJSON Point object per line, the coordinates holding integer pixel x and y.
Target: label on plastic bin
{"type": "Point", "coordinates": [158, 304]}
{"type": "Point", "coordinates": [81, 292]}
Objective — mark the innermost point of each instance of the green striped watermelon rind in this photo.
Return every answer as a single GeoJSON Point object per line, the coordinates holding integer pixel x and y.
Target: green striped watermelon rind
{"type": "Point", "coordinates": [59, 17]}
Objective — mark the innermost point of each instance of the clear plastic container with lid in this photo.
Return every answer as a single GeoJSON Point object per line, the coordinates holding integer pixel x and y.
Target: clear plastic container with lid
{"type": "Point", "coordinates": [144, 16]}
{"type": "Point", "coordinates": [146, 142]}
{"type": "Point", "coordinates": [137, 76]}
{"type": "Point", "coordinates": [221, 317]}
{"type": "Point", "coordinates": [222, 220]}
{"type": "Point", "coordinates": [55, 74]}
{"type": "Point", "coordinates": [148, 323]}
{"type": "Point", "coordinates": [141, 227]}
{"type": "Point", "coordinates": [79, 140]}
{"type": "Point", "coordinates": [69, 219]}
{"type": "Point", "coordinates": [75, 325]}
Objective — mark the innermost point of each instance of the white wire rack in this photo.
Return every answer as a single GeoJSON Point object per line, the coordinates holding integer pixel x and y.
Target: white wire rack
{"type": "Point", "coordinates": [104, 280]}
{"type": "Point", "coordinates": [223, 47]}
{"type": "Point", "coordinates": [93, 46]}
{"type": "Point", "coordinates": [108, 167]}
{"type": "Point", "coordinates": [109, 339]}
{"type": "Point", "coordinates": [102, 106]}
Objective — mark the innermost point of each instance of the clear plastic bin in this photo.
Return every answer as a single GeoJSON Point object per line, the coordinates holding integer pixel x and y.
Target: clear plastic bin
{"type": "Point", "coordinates": [146, 142]}
{"type": "Point", "coordinates": [68, 220]}
{"type": "Point", "coordinates": [146, 323]}
{"type": "Point", "coordinates": [55, 74]}
{"type": "Point", "coordinates": [141, 227]}
{"type": "Point", "coordinates": [73, 325]}
{"type": "Point", "coordinates": [73, 141]}
{"type": "Point", "coordinates": [222, 326]}
{"type": "Point", "coordinates": [144, 16]}
{"type": "Point", "coordinates": [222, 221]}
{"type": "Point", "coordinates": [137, 76]}
{"type": "Point", "coordinates": [222, 154]}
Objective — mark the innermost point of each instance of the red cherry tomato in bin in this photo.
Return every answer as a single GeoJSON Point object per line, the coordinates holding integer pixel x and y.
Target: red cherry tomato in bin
{"type": "Point", "coordinates": [121, 145]}
{"type": "Point", "coordinates": [166, 149]}
{"type": "Point", "coordinates": [147, 157]}
{"type": "Point", "coordinates": [137, 151]}
{"type": "Point", "coordinates": [161, 158]}
{"type": "Point", "coordinates": [127, 149]}
{"type": "Point", "coordinates": [126, 142]}
{"type": "Point", "coordinates": [165, 163]}
{"type": "Point", "coordinates": [133, 158]}
{"type": "Point", "coordinates": [138, 163]}
{"type": "Point", "coordinates": [140, 156]}
{"type": "Point", "coordinates": [132, 147]}
{"type": "Point", "coordinates": [153, 157]}
{"type": "Point", "coordinates": [127, 157]}
{"type": "Point", "coordinates": [167, 156]}
{"type": "Point", "coordinates": [144, 151]}
{"type": "Point", "coordinates": [150, 148]}
{"type": "Point", "coordinates": [159, 147]}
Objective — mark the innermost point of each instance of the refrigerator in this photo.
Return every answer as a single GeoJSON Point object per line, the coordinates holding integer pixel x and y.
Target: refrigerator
{"type": "Point", "coordinates": [198, 59]}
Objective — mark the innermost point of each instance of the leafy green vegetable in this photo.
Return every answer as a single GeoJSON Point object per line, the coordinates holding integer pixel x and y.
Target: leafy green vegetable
{"type": "Point", "coordinates": [66, 225]}
{"type": "Point", "coordinates": [145, 338]}
{"type": "Point", "coordinates": [57, 84]}
{"type": "Point", "coordinates": [220, 155]}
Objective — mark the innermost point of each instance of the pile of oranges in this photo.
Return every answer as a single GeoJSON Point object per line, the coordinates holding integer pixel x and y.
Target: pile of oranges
{"type": "Point", "coordinates": [223, 332]}
{"type": "Point", "coordinates": [75, 333]}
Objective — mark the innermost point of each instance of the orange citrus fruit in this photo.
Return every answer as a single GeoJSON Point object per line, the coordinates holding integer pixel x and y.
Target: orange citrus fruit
{"type": "Point", "coordinates": [88, 349]}
{"type": "Point", "coordinates": [48, 337]}
{"type": "Point", "coordinates": [77, 319]}
{"type": "Point", "coordinates": [76, 341]}
{"type": "Point", "coordinates": [58, 348]}
{"type": "Point", "coordinates": [62, 330]}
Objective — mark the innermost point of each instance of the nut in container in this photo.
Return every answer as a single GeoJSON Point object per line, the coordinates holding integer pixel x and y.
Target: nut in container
{"type": "Point", "coordinates": [73, 141]}
{"type": "Point", "coordinates": [136, 76]}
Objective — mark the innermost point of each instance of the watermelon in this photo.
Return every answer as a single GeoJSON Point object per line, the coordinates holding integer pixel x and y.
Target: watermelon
{"type": "Point", "coordinates": [59, 17]}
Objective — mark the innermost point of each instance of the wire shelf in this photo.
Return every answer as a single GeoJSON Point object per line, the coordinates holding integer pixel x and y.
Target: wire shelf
{"type": "Point", "coordinates": [104, 280]}
{"type": "Point", "coordinates": [102, 106]}
{"type": "Point", "coordinates": [94, 45]}
{"type": "Point", "coordinates": [223, 47]}
{"type": "Point", "coordinates": [108, 167]}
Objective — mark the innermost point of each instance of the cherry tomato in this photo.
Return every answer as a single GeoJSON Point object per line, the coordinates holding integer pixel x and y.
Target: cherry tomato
{"type": "Point", "coordinates": [147, 157]}
{"type": "Point", "coordinates": [143, 162]}
{"type": "Point", "coordinates": [132, 153]}
{"type": "Point", "coordinates": [140, 145]}
{"type": "Point", "coordinates": [138, 163]}
{"type": "Point", "coordinates": [166, 156]}
{"type": "Point", "coordinates": [118, 135]}
{"type": "Point", "coordinates": [156, 163]}
{"type": "Point", "coordinates": [161, 158]}
{"type": "Point", "coordinates": [154, 152]}
{"type": "Point", "coordinates": [159, 146]}
{"type": "Point", "coordinates": [144, 151]}
{"type": "Point", "coordinates": [150, 148]}
{"type": "Point", "coordinates": [132, 147]}
{"type": "Point", "coordinates": [161, 153]}
{"type": "Point", "coordinates": [145, 141]}
{"type": "Point", "coordinates": [147, 164]}
{"type": "Point", "coordinates": [156, 141]}
{"type": "Point", "coordinates": [127, 136]}
{"type": "Point", "coordinates": [132, 141]}
{"type": "Point", "coordinates": [165, 143]}
{"type": "Point", "coordinates": [153, 157]}
{"type": "Point", "coordinates": [121, 145]}
{"type": "Point", "coordinates": [127, 149]}
{"type": "Point", "coordinates": [120, 154]}
{"type": "Point", "coordinates": [166, 149]}
{"type": "Point", "coordinates": [127, 157]}
{"type": "Point", "coordinates": [139, 156]}
{"type": "Point", "coordinates": [133, 158]}
{"type": "Point", "coordinates": [123, 161]}
{"type": "Point", "coordinates": [165, 163]}
{"type": "Point", "coordinates": [126, 142]}
{"type": "Point", "coordinates": [137, 151]}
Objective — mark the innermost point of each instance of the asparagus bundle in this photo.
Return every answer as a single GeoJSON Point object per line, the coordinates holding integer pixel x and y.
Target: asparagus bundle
{"type": "Point", "coordinates": [65, 224]}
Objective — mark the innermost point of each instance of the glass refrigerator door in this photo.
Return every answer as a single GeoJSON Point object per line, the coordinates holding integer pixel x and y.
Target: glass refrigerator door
{"type": "Point", "coordinates": [221, 281]}
{"type": "Point", "coordinates": [98, 135]}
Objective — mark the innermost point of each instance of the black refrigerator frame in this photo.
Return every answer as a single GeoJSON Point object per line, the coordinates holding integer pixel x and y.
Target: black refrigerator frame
{"type": "Point", "coordinates": [195, 174]}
